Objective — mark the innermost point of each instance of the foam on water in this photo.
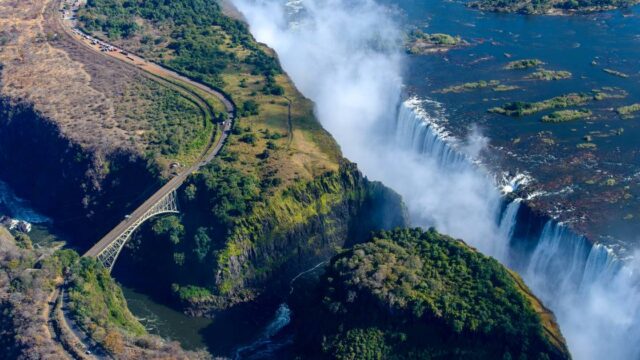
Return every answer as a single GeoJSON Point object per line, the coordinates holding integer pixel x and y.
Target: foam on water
{"type": "Point", "coordinates": [594, 294]}
{"type": "Point", "coordinates": [18, 208]}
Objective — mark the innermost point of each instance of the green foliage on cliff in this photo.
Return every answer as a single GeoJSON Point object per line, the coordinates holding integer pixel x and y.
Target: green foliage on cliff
{"type": "Point", "coordinates": [241, 234]}
{"type": "Point", "coordinates": [277, 197]}
{"type": "Point", "coordinates": [413, 294]}
{"type": "Point", "coordinates": [96, 301]}
{"type": "Point", "coordinates": [197, 43]}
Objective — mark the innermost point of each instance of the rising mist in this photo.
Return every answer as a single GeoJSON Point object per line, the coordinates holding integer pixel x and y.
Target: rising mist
{"type": "Point", "coordinates": [347, 57]}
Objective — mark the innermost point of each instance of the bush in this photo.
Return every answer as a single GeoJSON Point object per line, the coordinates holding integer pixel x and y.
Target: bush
{"type": "Point", "coordinates": [250, 107]}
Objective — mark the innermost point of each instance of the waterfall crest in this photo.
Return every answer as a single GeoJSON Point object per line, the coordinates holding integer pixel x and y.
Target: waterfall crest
{"type": "Point", "coordinates": [581, 282]}
{"type": "Point", "coordinates": [417, 132]}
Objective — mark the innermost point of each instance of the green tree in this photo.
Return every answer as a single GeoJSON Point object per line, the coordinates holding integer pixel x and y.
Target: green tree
{"type": "Point", "coordinates": [169, 227]}
{"type": "Point", "coordinates": [203, 243]}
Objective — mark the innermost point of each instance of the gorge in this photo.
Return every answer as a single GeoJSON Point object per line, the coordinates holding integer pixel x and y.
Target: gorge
{"type": "Point", "coordinates": [400, 142]}
{"type": "Point", "coordinates": [340, 137]}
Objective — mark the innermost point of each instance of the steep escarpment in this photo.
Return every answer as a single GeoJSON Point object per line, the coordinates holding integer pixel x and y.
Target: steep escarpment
{"type": "Point", "coordinates": [279, 198]}
{"type": "Point", "coordinates": [84, 137]}
{"type": "Point", "coordinates": [85, 192]}
{"type": "Point", "coordinates": [416, 294]}
{"type": "Point", "coordinates": [231, 245]}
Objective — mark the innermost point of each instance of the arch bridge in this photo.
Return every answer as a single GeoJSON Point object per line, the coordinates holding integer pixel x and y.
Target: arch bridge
{"type": "Point", "coordinates": [109, 247]}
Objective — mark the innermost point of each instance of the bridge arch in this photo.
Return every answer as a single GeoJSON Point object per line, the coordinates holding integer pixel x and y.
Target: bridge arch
{"type": "Point", "coordinates": [109, 253]}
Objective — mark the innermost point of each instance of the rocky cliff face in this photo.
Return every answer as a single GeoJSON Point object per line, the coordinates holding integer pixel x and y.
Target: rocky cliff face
{"type": "Point", "coordinates": [85, 192]}
{"type": "Point", "coordinates": [259, 252]}
{"type": "Point", "coordinates": [303, 226]}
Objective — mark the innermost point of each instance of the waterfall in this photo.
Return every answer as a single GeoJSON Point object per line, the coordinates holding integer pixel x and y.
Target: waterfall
{"type": "Point", "coordinates": [506, 228]}
{"type": "Point", "coordinates": [558, 259]}
{"type": "Point", "coordinates": [355, 87]}
{"type": "Point", "coordinates": [594, 295]}
{"type": "Point", "coordinates": [602, 266]}
{"type": "Point", "coordinates": [417, 131]}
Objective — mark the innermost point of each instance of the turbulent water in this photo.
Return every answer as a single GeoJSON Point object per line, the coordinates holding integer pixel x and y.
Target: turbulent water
{"type": "Point", "coordinates": [339, 54]}
{"type": "Point", "coordinates": [15, 207]}
{"type": "Point", "coordinates": [265, 347]}
{"type": "Point", "coordinates": [594, 295]}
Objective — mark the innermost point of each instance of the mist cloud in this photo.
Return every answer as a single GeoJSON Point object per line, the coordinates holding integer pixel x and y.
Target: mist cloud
{"type": "Point", "coordinates": [346, 56]}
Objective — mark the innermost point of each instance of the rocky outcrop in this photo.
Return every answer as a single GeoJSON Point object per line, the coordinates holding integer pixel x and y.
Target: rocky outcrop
{"type": "Point", "coordinates": [337, 210]}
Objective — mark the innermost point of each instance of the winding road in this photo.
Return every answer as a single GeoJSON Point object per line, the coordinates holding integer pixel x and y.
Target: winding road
{"type": "Point", "coordinates": [68, 25]}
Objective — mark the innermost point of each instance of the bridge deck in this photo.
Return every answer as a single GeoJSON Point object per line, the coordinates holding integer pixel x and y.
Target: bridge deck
{"type": "Point", "coordinates": [173, 184]}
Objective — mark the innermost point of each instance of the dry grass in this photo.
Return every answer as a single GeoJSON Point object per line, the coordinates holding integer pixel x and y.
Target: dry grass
{"type": "Point", "coordinates": [59, 87]}
{"type": "Point", "coordinates": [305, 152]}
{"type": "Point", "coordinates": [98, 102]}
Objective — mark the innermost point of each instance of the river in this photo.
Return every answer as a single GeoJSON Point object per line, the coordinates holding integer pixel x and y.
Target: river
{"type": "Point", "coordinates": [453, 163]}
{"type": "Point", "coordinates": [575, 180]}
{"type": "Point", "coordinates": [441, 140]}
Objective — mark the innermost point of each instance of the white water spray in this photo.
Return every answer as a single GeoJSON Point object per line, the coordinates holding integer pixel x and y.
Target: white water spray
{"type": "Point", "coordinates": [17, 207]}
{"type": "Point", "coordinates": [342, 55]}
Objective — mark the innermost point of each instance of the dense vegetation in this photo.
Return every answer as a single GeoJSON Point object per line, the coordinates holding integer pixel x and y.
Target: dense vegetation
{"type": "Point", "coordinates": [97, 302]}
{"type": "Point", "coordinates": [566, 115]}
{"type": "Point", "coordinates": [243, 231]}
{"type": "Point", "coordinates": [277, 197]}
{"type": "Point", "coordinates": [178, 124]}
{"type": "Point", "coordinates": [413, 294]}
{"type": "Point", "coordinates": [202, 42]}
{"type": "Point", "coordinates": [523, 64]}
{"type": "Point", "coordinates": [548, 75]}
{"type": "Point", "coordinates": [549, 6]}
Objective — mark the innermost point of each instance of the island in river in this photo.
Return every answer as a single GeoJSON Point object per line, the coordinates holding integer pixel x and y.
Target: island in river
{"type": "Point", "coordinates": [575, 132]}
{"type": "Point", "coordinates": [550, 7]}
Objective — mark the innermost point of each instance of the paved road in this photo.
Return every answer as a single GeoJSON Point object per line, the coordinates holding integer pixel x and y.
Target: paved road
{"type": "Point", "coordinates": [157, 70]}
{"type": "Point", "coordinates": [86, 346]}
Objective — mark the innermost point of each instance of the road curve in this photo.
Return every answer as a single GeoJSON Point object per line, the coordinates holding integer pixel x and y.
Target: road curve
{"type": "Point", "coordinates": [155, 70]}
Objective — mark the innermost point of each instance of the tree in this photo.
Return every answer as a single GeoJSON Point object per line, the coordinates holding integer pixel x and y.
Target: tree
{"type": "Point", "coordinates": [203, 243]}
{"type": "Point", "coordinates": [169, 226]}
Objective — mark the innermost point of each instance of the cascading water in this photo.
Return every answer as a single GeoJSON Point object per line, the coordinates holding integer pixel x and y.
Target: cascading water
{"type": "Point", "coordinates": [426, 137]}
{"type": "Point", "coordinates": [338, 54]}
{"type": "Point", "coordinates": [265, 347]}
{"type": "Point", "coordinates": [506, 228]}
{"type": "Point", "coordinates": [580, 281]}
